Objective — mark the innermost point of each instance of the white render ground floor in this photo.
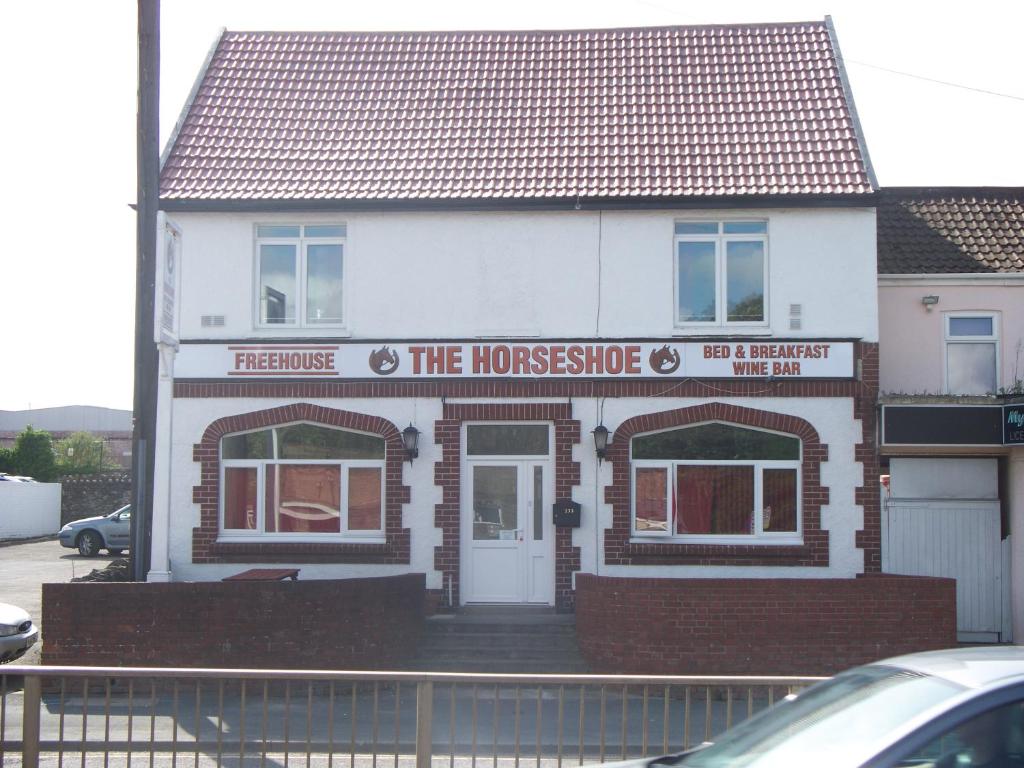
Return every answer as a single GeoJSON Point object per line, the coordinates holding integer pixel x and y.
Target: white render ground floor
{"type": "Point", "coordinates": [506, 498]}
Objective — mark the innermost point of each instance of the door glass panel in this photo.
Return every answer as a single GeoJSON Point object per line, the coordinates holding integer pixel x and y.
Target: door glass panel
{"type": "Point", "coordinates": [507, 440]}
{"type": "Point", "coordinates": [538, 504]}
{"type": "Point", "coordinates": [495, 503]}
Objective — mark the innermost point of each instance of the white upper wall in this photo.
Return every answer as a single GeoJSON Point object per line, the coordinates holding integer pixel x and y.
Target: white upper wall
{"type": "Point", "coordinates": [467, 274]}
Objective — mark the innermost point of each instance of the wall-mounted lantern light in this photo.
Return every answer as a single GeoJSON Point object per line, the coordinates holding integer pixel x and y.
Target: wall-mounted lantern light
{"type": "Point", "coordinates": [601, 442]}
{"type": "Point", "coordinates": [410, 441]}
{"type": "Point", "coordinates": [929, 302]}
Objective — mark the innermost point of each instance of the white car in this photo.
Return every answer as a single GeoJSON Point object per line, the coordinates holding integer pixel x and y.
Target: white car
{"type": "Point", "coordinates": [17, 632]}
{"type": "Point", "coordinates": [941, 709]}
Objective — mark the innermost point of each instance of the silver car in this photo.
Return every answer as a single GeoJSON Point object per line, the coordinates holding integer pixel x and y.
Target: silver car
{"type": "Point", "coordinates": [17, 632]}
{"type": "Point", "coordinates": [940, 709]}
{"type": "Point", "coordinates": [110, 532]}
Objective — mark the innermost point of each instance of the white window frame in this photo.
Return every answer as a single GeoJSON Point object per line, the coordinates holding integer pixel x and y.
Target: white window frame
{"type": "Point", "coordinates": [719, 239]}
{"type": "Point", "coordinates": [261, 465]}
{"type": "Point", "coordinates": [948, 339]}
{"type": "Point", "coordinates": [759, 536]}
{"type": "Point", "coordinates": [301, 243]}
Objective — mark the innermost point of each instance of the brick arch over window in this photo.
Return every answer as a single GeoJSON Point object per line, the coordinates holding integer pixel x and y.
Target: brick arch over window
{"type": "Point", "coordinates": [206, 548]}
{"type": "Point", "coordinates": [617, 547]}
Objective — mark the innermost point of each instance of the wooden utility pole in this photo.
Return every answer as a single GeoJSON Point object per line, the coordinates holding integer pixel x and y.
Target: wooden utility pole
{"type": "Point", "coordinates": [146, 355]}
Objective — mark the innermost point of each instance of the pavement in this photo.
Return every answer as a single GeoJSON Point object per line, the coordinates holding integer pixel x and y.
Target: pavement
{"type": "Point", "coordinates": [27, 566]}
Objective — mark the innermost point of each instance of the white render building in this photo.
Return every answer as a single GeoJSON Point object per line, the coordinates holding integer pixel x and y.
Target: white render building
{"type": "Point", "coordinates": [518, 243]}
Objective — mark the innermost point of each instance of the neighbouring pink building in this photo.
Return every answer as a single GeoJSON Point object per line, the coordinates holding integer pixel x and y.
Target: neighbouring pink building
{"type": "Point", "coordinates": [951, 329]}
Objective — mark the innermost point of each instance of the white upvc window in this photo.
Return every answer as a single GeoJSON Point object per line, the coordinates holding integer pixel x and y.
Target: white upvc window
{"type": "Point", "coordinates": [971, 352]}
{"type": "Point", "coordinates": [302, 481]}
{"type": "Point", "coordinates": [299, 275]}
{"type": "Point", "coordinates": [716, 483]}
{"type": "Point", "coordinates": [721, 273]}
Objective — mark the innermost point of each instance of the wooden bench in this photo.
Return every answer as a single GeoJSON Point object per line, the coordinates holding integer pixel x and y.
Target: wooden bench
{"type": "Point", "coordinates": [265, 574]}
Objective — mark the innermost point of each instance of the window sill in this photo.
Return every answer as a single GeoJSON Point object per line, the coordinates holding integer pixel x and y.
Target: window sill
{"type": "Point", "coordinates": [277, 551]}
{"type": "Point", "coordinates": [718, 330]}
{"type": "Point", "coordinates": [274, 541]}
{"type": "Point", "coordinates": [292, 331]}
{"type": "Point", "coordinates": [720, 541]}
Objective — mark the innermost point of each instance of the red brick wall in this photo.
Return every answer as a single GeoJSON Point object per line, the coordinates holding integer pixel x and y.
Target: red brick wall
{"type": "Point", "coordinates": [371, 623]}
{"type": "Point", "coordinates": [759, 626]}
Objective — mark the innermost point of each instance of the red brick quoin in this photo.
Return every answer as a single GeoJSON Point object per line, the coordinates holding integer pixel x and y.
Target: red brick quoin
{"type": "Point", "coordinates": [619, 550]}
{"type": "Point", "coordinates": [447, 514]}
{"type": "Point", "coordinates": [206, 548]}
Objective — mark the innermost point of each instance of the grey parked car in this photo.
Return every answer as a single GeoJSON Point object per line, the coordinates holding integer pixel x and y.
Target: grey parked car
{"type": "Point", "coordinates": [110, 532]}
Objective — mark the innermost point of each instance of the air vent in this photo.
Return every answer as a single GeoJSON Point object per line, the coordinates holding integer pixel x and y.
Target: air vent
{"type": "Point", "coordinates": [213, 321]}
{"type": "Point", "coordinates": [795, 313]}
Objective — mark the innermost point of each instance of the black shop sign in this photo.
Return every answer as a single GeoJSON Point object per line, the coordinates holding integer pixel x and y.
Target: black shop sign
{"type": "Point", "coordinates": [1013, 424]}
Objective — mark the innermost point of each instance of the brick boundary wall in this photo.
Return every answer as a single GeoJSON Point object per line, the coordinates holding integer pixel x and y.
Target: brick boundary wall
{"type": "Point", "coordinates": [372, 623]}
{"type": "Point", "coordinates": [759, 626]}
{"type": "Point", "coordinates": [92, 495]}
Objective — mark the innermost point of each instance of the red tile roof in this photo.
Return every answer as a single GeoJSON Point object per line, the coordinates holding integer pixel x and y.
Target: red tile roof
{"type": "Point", "coordinates": [472, 116]}
{"type": "Point", "coordinates": [950, 230]}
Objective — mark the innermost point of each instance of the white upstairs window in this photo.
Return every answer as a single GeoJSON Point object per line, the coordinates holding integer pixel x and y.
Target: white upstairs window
{"type": "Point", "coordinates": [972, 354]}
{"type": "Point", "coordinates": [721, 270]}
{"type": "Point", "coordinates": [299, 275]}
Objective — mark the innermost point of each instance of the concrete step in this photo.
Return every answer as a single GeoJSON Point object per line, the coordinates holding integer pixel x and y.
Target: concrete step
{"type": "Point", "coordinates": [499, 639]}
{"type": "Point", "coordinates": [522, 667]}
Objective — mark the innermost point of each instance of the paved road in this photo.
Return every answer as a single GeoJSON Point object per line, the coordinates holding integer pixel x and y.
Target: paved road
{"type": "Point", "coordinates": [24, 568]}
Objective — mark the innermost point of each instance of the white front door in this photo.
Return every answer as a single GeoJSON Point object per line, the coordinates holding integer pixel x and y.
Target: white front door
{"type": "Point", "coordinates": [507, 532]}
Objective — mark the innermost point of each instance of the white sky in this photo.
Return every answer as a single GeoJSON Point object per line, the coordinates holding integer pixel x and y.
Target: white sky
{"type": "Point", "coordinates": [68, 134]}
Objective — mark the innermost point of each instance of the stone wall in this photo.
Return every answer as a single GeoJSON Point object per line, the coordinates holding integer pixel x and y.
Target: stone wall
{"type": "Point", "coordinates": [91, 495]}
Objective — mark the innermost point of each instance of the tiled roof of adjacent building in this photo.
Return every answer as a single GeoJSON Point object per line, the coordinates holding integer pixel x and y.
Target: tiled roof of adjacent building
{"type": "Point", "coordinates": [934, 230]}
{"type": "Point", "coordinates": [668, 112]}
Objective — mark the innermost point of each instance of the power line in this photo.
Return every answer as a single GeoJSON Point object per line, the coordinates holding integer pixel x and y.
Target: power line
{"type": "Point", "coordinates": [933, 80]}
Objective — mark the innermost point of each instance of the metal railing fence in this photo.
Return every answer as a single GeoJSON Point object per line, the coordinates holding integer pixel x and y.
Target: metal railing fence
{"type": "Point", "coordinates": [149, 717]}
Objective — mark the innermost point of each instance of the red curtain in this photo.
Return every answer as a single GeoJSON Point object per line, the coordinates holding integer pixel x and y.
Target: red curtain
{"type": "Point", "coordinates": [240, 498]}
{"type": "Point", "coordinates": [309, 500]}
{"type": "Point", "coordinates": [714, 499]}
{"type": "Point", "coordinates": [364, 499]}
